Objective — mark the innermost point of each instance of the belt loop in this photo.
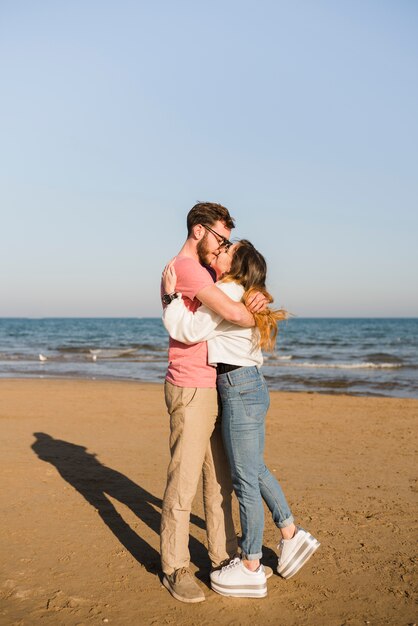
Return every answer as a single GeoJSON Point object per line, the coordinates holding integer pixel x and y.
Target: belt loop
{"type": "Point", "coordinates": [229, 378]}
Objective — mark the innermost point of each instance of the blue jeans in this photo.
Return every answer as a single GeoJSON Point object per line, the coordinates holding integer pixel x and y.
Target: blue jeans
{"type": "Point", "coordinates": [245, 401]}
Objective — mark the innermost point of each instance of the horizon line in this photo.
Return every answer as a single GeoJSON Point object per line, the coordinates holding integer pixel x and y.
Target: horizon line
{"type": "Point", "coordinates": [130, 317]}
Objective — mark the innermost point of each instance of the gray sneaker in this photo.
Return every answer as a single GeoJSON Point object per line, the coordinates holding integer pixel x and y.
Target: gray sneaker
{"type": "Point", "coordinates": [183, 586]}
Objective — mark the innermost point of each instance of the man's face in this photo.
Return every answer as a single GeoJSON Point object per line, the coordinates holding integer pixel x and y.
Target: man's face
{"type": "Point", "coordinates": [210, 245]}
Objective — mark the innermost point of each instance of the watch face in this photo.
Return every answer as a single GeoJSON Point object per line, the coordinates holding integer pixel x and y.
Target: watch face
{"type": "Point", "coordinates": [169, 297]}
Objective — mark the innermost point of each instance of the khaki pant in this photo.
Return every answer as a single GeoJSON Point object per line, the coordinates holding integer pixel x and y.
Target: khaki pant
{"type": "Point", "coordinates": [196, 447]}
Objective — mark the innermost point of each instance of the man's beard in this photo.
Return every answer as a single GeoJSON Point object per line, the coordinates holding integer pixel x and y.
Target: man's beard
{"type": "Point", "coordinates": [205, 256]}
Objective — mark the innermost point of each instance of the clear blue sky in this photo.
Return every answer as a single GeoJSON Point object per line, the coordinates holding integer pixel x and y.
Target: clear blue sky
{"type": "Point", "coordinates": [299, 116]}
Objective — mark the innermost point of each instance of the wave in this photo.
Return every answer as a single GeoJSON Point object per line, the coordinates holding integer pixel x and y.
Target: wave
{"type": "Point", "coordinates": [383, 357]}
{"type": "Point", "coordinates": [347, 366]}
{"type": "Point", "coordinates": [278, 357]}
{"type": "Point", "coordinates": [72, 349]}
{"type": "Point", "coordinates": [110, 352]}
{"type": "Point", "coordinates": [317, 342]}
{"type": "Point", "coordinates": [105, 353]}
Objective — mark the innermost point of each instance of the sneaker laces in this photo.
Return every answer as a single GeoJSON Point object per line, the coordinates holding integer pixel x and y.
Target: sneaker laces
{"type": "Point", "coordinates": [232, 563]}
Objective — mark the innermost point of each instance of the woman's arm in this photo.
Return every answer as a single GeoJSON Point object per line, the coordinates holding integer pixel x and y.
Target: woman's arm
{"type": "Point", "coordinates": [188, 327]}
{"type": "Point", "coordinates": [182, 324]}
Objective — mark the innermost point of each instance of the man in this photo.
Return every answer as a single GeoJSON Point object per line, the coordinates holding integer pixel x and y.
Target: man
{"type": "Point", "coordinates": [191, 398]}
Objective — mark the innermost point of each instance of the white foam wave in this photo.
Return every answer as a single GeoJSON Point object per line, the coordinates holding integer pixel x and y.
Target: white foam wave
{"type": "Point", "coordinates": [106, 353]}
{"type": "Point", "coordinates": [347, 366]}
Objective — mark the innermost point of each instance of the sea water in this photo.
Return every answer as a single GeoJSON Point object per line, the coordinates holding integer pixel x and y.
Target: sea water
{"type": "Point", "coordinates": [353, 356]}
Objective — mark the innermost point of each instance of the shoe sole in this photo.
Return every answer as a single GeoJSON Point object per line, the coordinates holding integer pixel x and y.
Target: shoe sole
{"type": "Point", "coordinates": [240, 592]}
{"type": "Point", "coordinates": [309, 546]}
{"type": "Point", "coordinates": [181, 598]}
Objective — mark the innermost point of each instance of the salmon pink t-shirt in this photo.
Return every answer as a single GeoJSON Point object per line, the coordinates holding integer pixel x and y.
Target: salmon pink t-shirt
{"type": "Point", "coordinates": [188, 365]}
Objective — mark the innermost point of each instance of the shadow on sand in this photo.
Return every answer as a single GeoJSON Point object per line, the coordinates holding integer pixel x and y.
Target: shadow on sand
{"type": "Point", "coordinates": [95, 482]}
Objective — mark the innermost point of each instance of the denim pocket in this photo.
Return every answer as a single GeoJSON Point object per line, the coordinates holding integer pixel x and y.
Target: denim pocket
{"type": "Point", "coordinates": [255, 400]}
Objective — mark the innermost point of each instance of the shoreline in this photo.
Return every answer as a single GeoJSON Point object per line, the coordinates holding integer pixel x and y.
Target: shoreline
{"type": "Point", "coordinates": [103, 379]}
{"type": "Point", "coordinates": [84, 467]}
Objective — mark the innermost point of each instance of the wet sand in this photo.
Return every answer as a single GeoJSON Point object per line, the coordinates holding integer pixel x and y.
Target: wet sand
{"type": "Point", "coordinates": [83, 472]}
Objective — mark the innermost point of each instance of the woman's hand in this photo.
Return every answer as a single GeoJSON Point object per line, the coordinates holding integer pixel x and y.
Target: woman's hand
{"type": "Point", "coordinates": [169, 277]}
{"type": "Point", "coordinates": [257, 302]}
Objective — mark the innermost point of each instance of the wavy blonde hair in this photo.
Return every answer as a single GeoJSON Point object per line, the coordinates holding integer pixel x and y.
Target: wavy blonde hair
{"type": "Point", "coordinates": [249, 269]}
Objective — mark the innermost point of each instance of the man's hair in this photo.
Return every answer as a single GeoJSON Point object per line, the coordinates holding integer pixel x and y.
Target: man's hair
{"type": "Point", "coordinates": [207, 213]}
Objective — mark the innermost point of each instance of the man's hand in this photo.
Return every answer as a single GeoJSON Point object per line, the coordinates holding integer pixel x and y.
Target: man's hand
{"type": "Point", "coordinates": [169, 277]}
{"type": "Point", "coordinates": [257, 302]}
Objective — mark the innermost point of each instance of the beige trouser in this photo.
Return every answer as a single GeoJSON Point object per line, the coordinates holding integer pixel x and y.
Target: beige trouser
{"type": "Point", "coordinates": [196, 446]}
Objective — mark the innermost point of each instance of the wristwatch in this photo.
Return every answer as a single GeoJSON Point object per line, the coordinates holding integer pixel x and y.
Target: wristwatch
{"type": "Point", "coordinates": [169, 297]}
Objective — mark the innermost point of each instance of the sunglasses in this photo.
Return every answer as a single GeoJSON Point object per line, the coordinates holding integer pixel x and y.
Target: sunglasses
{"type": "Point", "coordinates": [223, 241]}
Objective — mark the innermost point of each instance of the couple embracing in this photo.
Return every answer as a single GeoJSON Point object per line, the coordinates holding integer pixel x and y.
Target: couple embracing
{"type": "Point", "coordinates": [216, 312]}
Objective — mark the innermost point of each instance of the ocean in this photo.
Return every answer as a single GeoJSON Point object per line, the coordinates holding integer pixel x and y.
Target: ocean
{"type": "Point", "coordinates": [377, 357]}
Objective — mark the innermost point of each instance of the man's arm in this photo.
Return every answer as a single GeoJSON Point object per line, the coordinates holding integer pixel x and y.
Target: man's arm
{"type": "Point", "coordinates": [228, 309]}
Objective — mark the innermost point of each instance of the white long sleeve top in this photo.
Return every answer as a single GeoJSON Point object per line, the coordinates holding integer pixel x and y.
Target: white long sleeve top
{"type": "Point", "coordinates": [227, 342]}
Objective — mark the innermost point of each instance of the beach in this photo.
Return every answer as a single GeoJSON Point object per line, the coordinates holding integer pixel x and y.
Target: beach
{"type": "Point", "coordinates": [83, 468]}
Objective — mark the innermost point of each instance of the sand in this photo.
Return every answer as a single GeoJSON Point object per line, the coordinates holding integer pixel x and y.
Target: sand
{"type": "Point", "coordinates": [83, 471]}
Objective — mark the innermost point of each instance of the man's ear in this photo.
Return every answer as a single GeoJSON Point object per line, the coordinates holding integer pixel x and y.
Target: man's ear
{"type": "Point", "coordinates": [198, 232]}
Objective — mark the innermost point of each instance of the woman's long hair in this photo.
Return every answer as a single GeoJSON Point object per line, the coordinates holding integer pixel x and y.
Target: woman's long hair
{"type": "Point", "coordinates": [249, 269]}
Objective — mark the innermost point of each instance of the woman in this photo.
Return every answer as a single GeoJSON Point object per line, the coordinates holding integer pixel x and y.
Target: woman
{"type": "Point", "coordinates": [236, 352]}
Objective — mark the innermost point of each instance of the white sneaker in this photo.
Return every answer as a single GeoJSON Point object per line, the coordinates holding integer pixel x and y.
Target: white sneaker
{"type": "Point", "coordinates": [295, 552]}
{"type": "Point", "coordinates": [237, 580]}
{"type": "Point", "coordinates": [267, 569]}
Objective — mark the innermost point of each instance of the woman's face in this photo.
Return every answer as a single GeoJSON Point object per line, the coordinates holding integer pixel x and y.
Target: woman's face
{"type": "Point", "coordinates": [222, 263]}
